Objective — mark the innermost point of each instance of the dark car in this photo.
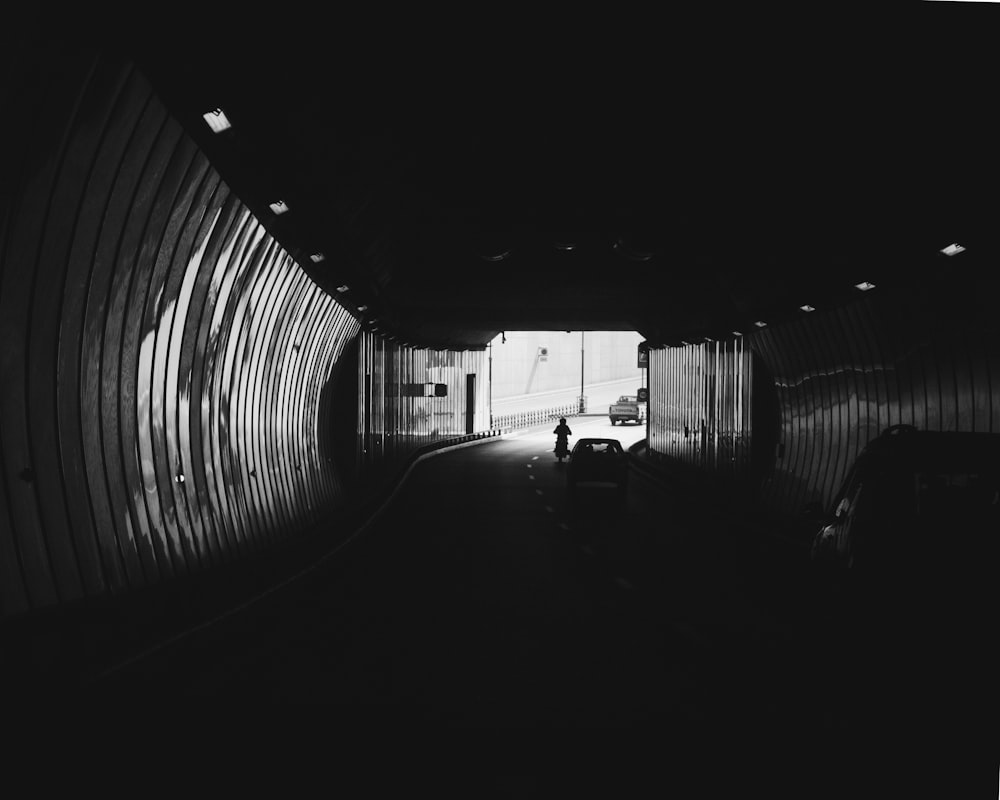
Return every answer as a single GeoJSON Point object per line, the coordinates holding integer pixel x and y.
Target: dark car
{"type": "Point", "coordinates": [919, 506]}
{"type": "Point", "coordinates": [598, 462]}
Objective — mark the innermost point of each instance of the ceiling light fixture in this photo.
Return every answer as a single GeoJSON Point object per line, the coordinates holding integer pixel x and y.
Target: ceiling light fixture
{"type": "Point", "coordinates": [343, 288]}
{"type": "Point", "coordinates": [279, 207]}
{"type": "Point", "coordinates": [217, 120]}
{"type": "Point", "coordinates": [737, 333]}
{"type": "Point", "coordinates": [807, 308]}
{"type": "Point", "coordinates": [760, 323]}
{"type": "Point", "coordinates": [952, 249]}
{"type": "Point", "coordinates": [864, 286]}
{"type": "Point", "coordinates": [317, 257]}
{"type": "Point", "coordinates": [362, 309]}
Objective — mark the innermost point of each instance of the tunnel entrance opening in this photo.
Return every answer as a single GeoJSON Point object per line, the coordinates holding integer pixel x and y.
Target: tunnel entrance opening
{"type": "Point", "coordinates": [561, 372]}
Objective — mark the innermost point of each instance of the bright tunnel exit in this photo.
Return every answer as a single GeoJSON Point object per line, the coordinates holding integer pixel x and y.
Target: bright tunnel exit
{"type": "Point", "coordinates": [567, 372]}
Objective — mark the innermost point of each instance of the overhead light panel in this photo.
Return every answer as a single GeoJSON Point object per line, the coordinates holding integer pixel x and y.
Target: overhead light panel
{"type": "Point", "coordinates": [760, 323]}
{"type": "Point", "coordinates": [343, 288]}
{"type": "Point", "coordinates": [279, 207]}
{"type": "Point", "coordinates": [317, 257]}
{"type": "Point", "coordinates": [952, 249]}
{"type": "Point", "coordinates": [864, 286]}
{"type": "Point", "coordinates": [217, 120]}
{"type": "Point", "coordinates": [737, 333]}
{"type": "Point", "coordinates": [362, 309]}
{"type": "Point", "coordinates": [807, 308]}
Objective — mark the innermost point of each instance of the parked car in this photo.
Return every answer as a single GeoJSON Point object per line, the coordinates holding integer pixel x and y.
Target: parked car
{"type": "Point", "coordinates": [917, 507]}
{"type": "Point", "coordinates": [598, 462]}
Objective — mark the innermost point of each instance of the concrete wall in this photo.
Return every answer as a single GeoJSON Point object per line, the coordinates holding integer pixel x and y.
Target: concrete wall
{"type": "Point", "coordinates": [519, 369]}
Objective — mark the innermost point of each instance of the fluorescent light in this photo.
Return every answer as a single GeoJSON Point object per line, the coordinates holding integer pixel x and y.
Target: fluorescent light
{"type": "Point", "coordinates": [343, 288]}
{"type": "Point", "coordinates": [760, 323]}
{"type": "Point", "coordinates": [807, 307]}
{"type": "Point", "coordinates": [362, 309]}
{"type": "Point", "coordinates": [952, 249]}
{"type": "Point", "coordinates": [864, 286]}
{"type": "Point", "coordinates": [279, 207]}
{"type": "Point", "coordinates": [217, 120]}
{"type": "Point", "coordinates": [737, 333]}
{"type": "Point", "coordinates": [317, 257]}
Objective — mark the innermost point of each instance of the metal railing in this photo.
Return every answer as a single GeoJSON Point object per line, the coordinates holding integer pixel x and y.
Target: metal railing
{"type": "Point", "coordinates": [525, 419]}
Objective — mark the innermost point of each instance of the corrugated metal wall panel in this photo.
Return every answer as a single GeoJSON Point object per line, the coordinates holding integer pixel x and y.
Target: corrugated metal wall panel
{"type": "Point", "coordinates": [392, 423]}
{"type": "Point", "coordinates": [840, 377]}
{"type": "Point", "coordinates": [163, 359]}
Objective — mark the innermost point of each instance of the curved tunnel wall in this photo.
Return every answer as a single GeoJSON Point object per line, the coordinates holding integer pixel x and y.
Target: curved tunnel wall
{"type": "Point", "coordinates": [164, 362]}
{"type": "Point", "coordinates": [838, 378]}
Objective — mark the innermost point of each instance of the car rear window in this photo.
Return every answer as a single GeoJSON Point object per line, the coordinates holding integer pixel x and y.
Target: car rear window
{"type": "Point", "coordinates": [602, 447]}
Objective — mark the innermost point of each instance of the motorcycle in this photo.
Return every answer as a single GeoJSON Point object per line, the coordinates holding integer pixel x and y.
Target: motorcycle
{"type": "Point", "coordinates": [562, 433]}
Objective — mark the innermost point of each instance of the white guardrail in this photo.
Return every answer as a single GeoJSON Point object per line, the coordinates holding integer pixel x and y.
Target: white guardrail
{"type": "Point", "coordinates": [525, 419]}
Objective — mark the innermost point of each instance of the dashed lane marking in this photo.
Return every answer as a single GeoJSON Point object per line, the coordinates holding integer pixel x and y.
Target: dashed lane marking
{"type": "Point", "coordinates": [531, 477]}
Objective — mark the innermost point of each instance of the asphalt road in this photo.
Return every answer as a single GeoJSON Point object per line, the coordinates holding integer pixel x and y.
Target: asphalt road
{"type": "Point", "coordinates": [481, 597]}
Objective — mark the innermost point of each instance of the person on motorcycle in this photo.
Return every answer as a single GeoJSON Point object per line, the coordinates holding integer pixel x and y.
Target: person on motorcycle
{"type": "Point", "coordinates": [562, 433]}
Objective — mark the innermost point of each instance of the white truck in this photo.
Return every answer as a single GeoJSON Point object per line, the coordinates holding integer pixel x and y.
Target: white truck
{"type": "Point", "coordinates": [627, 408]}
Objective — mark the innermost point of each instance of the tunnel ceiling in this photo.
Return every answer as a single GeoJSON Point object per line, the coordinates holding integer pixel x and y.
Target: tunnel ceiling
{"type": "Point", "coordinates": [683, 178]}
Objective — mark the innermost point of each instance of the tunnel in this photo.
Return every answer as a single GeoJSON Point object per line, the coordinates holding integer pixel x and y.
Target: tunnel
{"type": "Point", "coordinates": [245, 310]}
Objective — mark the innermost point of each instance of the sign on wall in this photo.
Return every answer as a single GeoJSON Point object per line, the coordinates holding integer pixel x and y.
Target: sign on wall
{"type": "Point", "coordinates": [643, 355]}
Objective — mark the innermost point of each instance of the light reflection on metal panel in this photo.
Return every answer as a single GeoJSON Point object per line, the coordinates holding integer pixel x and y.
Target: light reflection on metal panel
{"type": "Point", "coordinates": [170, 377]}
{"type": "Point", "coordinates": [700, 405]}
